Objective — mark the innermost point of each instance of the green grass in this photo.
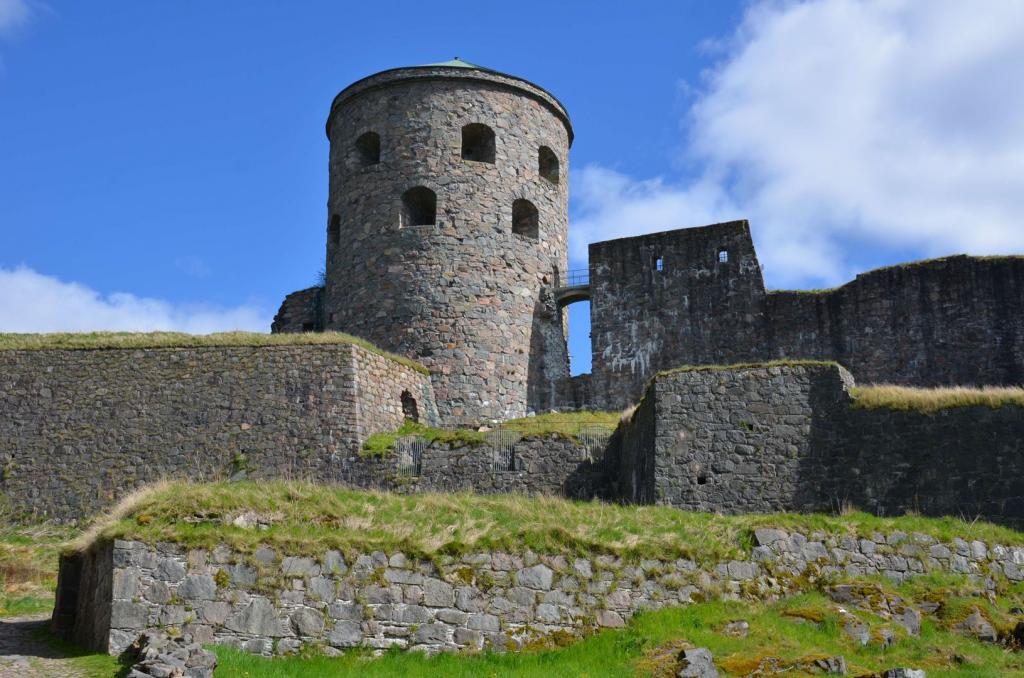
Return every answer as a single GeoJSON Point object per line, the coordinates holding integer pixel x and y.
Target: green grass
{"type": "Point", "coordinates": [308, 518]}
{"type": "Point", "coordinates": [566, 424]}
{"type": "Point", "coordinates": [28, 568]}
{"type": "Point", "coordinates": [649, 644]}
{"type": "Point", "coordinates": [85, 663]}
{"type": "Point", "coordinates": [80, 341]}
{"type": "Point", "coordinates": [381, 444]}
{"type": "Point", "coordinates": [932, 400]}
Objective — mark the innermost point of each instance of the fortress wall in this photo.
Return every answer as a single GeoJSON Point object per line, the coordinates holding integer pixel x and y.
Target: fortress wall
{"type": "Point", "coordinates": [80, 428]}
{"type": "Point", "coordinates": [272, 602]}
{"type": "Point", "coordinates": [965, 462]}
{"type": "Point", "coordinates": [735, 441]}
{"type": "Point", "coordinates": [695, 310]}
{"type": "Point", "coordinates": [788, 438]}
{"type": "Point", "coordinates": [537, 465]}
{"type": "Point", "coordinates": [958, 320]}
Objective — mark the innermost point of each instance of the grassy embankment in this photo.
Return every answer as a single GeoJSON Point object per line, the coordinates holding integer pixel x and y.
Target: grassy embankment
{"type": "Point", "coordinates": [99, 341]}
{"type": "Point", "coordinates": [305, 518]}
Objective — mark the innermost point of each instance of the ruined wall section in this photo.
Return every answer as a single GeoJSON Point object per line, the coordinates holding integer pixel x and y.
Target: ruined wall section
{"type": "Point", "coordinates": [80, 428]}
{"type": "Point", "coordinates": [669, 299]}
{"type": "Point", "coordinates": [461, 295]}
{"type": "Point", "coordinates": [952, 321]}
{"type": "Point", "coordinates": [301, 311]}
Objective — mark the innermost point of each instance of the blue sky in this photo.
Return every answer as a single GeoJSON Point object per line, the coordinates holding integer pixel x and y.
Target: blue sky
{"type": "Point", "coordinates": [163, 165]}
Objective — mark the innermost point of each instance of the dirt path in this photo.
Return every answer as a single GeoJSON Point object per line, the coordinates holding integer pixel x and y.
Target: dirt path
{"type": "Point", "coordinates": [24, 655]}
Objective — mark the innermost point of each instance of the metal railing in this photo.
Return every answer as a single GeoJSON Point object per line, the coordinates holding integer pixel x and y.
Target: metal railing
{"type": "Point", "coordinates": [595, 438]}
{"type": "Point", "coordinates": [503, 448]}
{"type": "Point", "coordinates": [410, 456]}
{"type": "Point", "coordinates": [577, 277]}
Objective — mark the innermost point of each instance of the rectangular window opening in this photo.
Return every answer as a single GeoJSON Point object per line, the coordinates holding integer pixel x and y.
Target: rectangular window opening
{"type": "Point", "coordinates": [659, 264]}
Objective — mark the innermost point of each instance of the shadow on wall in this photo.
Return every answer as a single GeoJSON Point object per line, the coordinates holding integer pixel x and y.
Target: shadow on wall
{"type": "Point", "coordinates": [966, 462]}
{"type": "Point", "coordinates": [549, 356]}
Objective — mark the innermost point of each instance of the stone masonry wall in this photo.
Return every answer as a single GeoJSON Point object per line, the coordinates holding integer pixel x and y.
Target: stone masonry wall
{"type": "Point", "coordinates": [269, 602]}
{"type": "Point", "coordinates": [301, 311]}
{"type": "Point", "coordinates": [692, 310]}
{"type": "Point", "coordinates": [536, 465]}
{"type": "Point", "coordinates": [788, 438]}
{"type": "Point", "coordinates": [462, 295]}
{"type": "Point", "coordinates": [81, 428]}
{"type": "Point", "coordinates": [952, 321]}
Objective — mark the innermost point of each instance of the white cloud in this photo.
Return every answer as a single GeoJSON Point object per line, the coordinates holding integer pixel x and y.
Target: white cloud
{"type": "Point", "coordinates": [32, 302]}
{"type": "Point", "coordinates": [13, 15]}
{"type": "Point", "coordinates": [892, 124]}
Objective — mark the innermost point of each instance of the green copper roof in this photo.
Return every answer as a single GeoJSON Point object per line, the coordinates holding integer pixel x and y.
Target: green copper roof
{"type": "Point", "coordinates": [458, 63]}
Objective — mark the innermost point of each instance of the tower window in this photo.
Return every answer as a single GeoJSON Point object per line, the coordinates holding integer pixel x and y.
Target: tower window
{"type": "Point", "coordinates": [723, 256]}
{"type": "Point", "coordinates": [368, 149]}
{"type": "Point", "coordinates": [419, 207]}
{"type": "Point", "coordinates": [525, 219]}
{"type": "Point", "coordinates": [334, 230]}
{"type": "Point", "coordinates": [478, 143]}
{"type": "Point", "coordinates": [548, 164]}
{"type": "Point", "coordinates": [659, 263]}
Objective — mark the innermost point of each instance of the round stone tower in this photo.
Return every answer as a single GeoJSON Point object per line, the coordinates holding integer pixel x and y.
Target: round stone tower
{"type": "Point", "coordinates": [447, 227]}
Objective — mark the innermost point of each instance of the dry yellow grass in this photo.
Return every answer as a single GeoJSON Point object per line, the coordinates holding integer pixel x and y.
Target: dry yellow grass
{"type": "Point", "coordinates": [931, 400]}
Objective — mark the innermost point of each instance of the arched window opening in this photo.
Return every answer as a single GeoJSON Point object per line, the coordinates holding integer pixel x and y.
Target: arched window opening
{"type": "Point", "coordinates": [410, 409]}
{"type": "Point", "coordinates": [419, 207]}
{"type": "Point", "coordinates": [368, 148]}
{"type": "Point", "coordinates": [547, 162]}
{"type": "Point", "coordinates": [334, 230]}
{"type": "Point", "coordinates": [525, 219]}
{"type": "Point", "coordinates": [659, 264]}
{"type": "Point", "coordinates": [478, 143]}
{"type": "Point", "coordinates": [723, 256]}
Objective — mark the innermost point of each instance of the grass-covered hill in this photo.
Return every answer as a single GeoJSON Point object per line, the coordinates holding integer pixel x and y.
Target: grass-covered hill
{"type": "Point", "coordinates": [787, 635]}
{"type": "Point", "coordinates": [303, 518]}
